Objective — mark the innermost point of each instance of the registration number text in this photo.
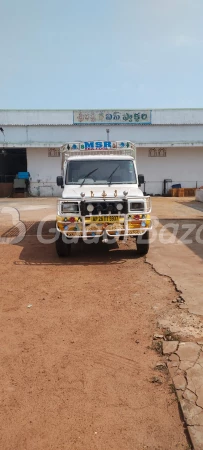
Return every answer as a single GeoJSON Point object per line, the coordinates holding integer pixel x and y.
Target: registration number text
{"type": "Point", "coordinates": [104, 218]}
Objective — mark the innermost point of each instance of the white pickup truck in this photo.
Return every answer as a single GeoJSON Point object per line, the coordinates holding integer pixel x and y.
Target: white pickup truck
{"type": "Point", "coordinates": [101, 199]}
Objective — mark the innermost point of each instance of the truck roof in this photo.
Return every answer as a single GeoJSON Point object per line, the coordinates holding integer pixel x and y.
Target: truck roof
{"type": "Point", "coordinates": [94, 150]}
{"type": "Point", "coordinates": [96, 157]}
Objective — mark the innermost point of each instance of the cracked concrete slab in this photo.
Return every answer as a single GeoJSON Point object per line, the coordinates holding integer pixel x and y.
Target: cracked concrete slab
{"type": "Point", "coordinates": [189, 395]}
{"type": "Point", "coordinates": [180, 260]}
{"type": "Point", "coordinates": [199, 393]}
{"type": "Point", "coordinates": [174, 358]}
{"type": "Point", "coordinates": [195, 377]}
{"type": "Point", "coordinates": [188, 383]}
{"type": "Point", "coordinates": [196, 433]}
{"type": "Point", "coordinates": [169, 347]}
{"type": "Point", "coordinates": [180, 382]}
{"type": "Point", "coordinates": [188, 351]}
{"type": "Point", "coordinates": [183, 264]}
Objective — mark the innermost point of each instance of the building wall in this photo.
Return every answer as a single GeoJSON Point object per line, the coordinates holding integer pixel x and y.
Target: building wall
{"type": "Point", "coordinates": [65, 117]}
{"type": "Point", "coordinates": [43, 172]}
{"type": "Point", "coordinates": [180, 130]}
{"type": "Point", "coordinates": [36, 117]}
{"type": "Point", "coordinates": [177, 116]}
{"type": "Point", "coordinates": [36, 136]}
{"type": "Point", "coordinates": [182, 165]}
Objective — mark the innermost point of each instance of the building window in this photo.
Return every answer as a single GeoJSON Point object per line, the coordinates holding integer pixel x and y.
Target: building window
{"type": "Point", "coordinates": [157, 152]}
{"type": "Point", "coordinates": [53, 152]}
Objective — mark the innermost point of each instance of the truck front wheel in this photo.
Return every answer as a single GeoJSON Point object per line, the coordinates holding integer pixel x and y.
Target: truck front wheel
{"type": "Point", "coordinates": [143, 244]}
{"type": "Point", "coordinates": [63, 248]}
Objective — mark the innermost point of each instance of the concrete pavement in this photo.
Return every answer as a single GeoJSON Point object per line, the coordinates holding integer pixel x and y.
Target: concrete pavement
{"type": "Point", "coordinates": [183, 262]}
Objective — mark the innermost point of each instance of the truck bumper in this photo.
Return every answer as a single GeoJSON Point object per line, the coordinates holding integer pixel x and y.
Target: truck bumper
{"type": "Point", "coordinates": [124, 226]}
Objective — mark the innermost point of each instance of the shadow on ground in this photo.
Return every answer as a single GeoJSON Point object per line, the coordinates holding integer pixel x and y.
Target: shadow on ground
{"type": "Point", "coordinates": [189, 232]}
{"type": "Point", "coordinates": [38, 248]}
{"type": "Point", "coordinates": [192, 204]}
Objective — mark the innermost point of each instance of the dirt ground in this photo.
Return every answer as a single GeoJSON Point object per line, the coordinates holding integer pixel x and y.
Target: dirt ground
{"type": "Point", "coordinates": [77, 369]}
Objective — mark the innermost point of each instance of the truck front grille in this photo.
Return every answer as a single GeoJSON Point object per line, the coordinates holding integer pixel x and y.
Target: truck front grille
{"type": "Point", "coordinates": [103, 208]}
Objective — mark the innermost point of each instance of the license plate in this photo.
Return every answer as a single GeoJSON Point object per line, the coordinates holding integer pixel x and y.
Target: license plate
{"type": "Point", "coordinates": [104, 219]}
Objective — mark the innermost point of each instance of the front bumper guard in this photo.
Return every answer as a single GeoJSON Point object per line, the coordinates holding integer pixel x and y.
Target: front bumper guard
{"type": "Point", "coordinates": [123, 228]}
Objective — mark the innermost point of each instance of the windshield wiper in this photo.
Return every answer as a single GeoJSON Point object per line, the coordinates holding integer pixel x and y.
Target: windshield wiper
{"type": "Point", "coordinates": [110, 177]}
{"type": "Point", "coordinates": [88, 174]}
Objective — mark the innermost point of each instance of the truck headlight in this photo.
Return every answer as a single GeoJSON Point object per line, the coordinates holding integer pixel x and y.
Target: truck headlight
{"type": "Point", "coordinates": [119, 206]}
{"type": "Point", "coordinates": [90, 207]}
{"type": "Point", "coordinates": [137, 206]}
{"type": "Point", "coordinates": [69, 207]}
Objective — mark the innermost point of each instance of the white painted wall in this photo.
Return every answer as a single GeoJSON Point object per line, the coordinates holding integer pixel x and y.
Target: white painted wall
{"type": "Point", "coordinates": [65, 117]}
{"type": "Point", "coordinates": [177, 116]}
{"type": "Point", "coordinates": [36, 117]}
{"type": "Point", "coordinates": [36, 136]}
{"type": "Point", "coordinates": [43, 172]}
{"type": "Point", "coordinates": [37, 130]}
{"type": "Point", "coordinates": [182, 165]}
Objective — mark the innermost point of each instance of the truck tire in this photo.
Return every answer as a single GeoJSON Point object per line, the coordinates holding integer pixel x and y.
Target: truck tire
{"type": "Point", "coordinates": [143, 244]}
{"type": "Point", "coordinates": [63, 248]}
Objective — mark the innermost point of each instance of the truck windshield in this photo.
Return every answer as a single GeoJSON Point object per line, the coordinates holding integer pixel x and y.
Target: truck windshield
{"type": "Point", "coordinates": [101, 172]}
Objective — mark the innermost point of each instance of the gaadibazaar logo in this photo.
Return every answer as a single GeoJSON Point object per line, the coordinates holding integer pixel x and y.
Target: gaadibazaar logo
{"type": "Point", "coordinates": [14, 215]}
{"type": "Point", "coordinates": [170, 233]}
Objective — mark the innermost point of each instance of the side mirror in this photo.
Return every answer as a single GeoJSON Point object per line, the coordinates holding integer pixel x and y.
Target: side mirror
{"type": "Point", "coordinates": [140, 180]}
{"type": "Point", "coordinates": [59, 181]}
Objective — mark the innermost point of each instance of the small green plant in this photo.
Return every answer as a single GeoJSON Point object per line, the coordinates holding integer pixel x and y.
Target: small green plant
{"type": "Point", "coordinates": [162, 367]}
{"type": "Point", "coordinates": [157, 346]}
{"type": "Point", "coordinates": [169, 336]}
{"type": "Point", "coordinates": [172, 388]}
{"type": "Point", "coordinates": [156, 380]}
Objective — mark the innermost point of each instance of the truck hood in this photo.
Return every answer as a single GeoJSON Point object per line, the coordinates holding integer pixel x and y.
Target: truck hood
{"type": "Point", "coordinates": [74, 191]}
